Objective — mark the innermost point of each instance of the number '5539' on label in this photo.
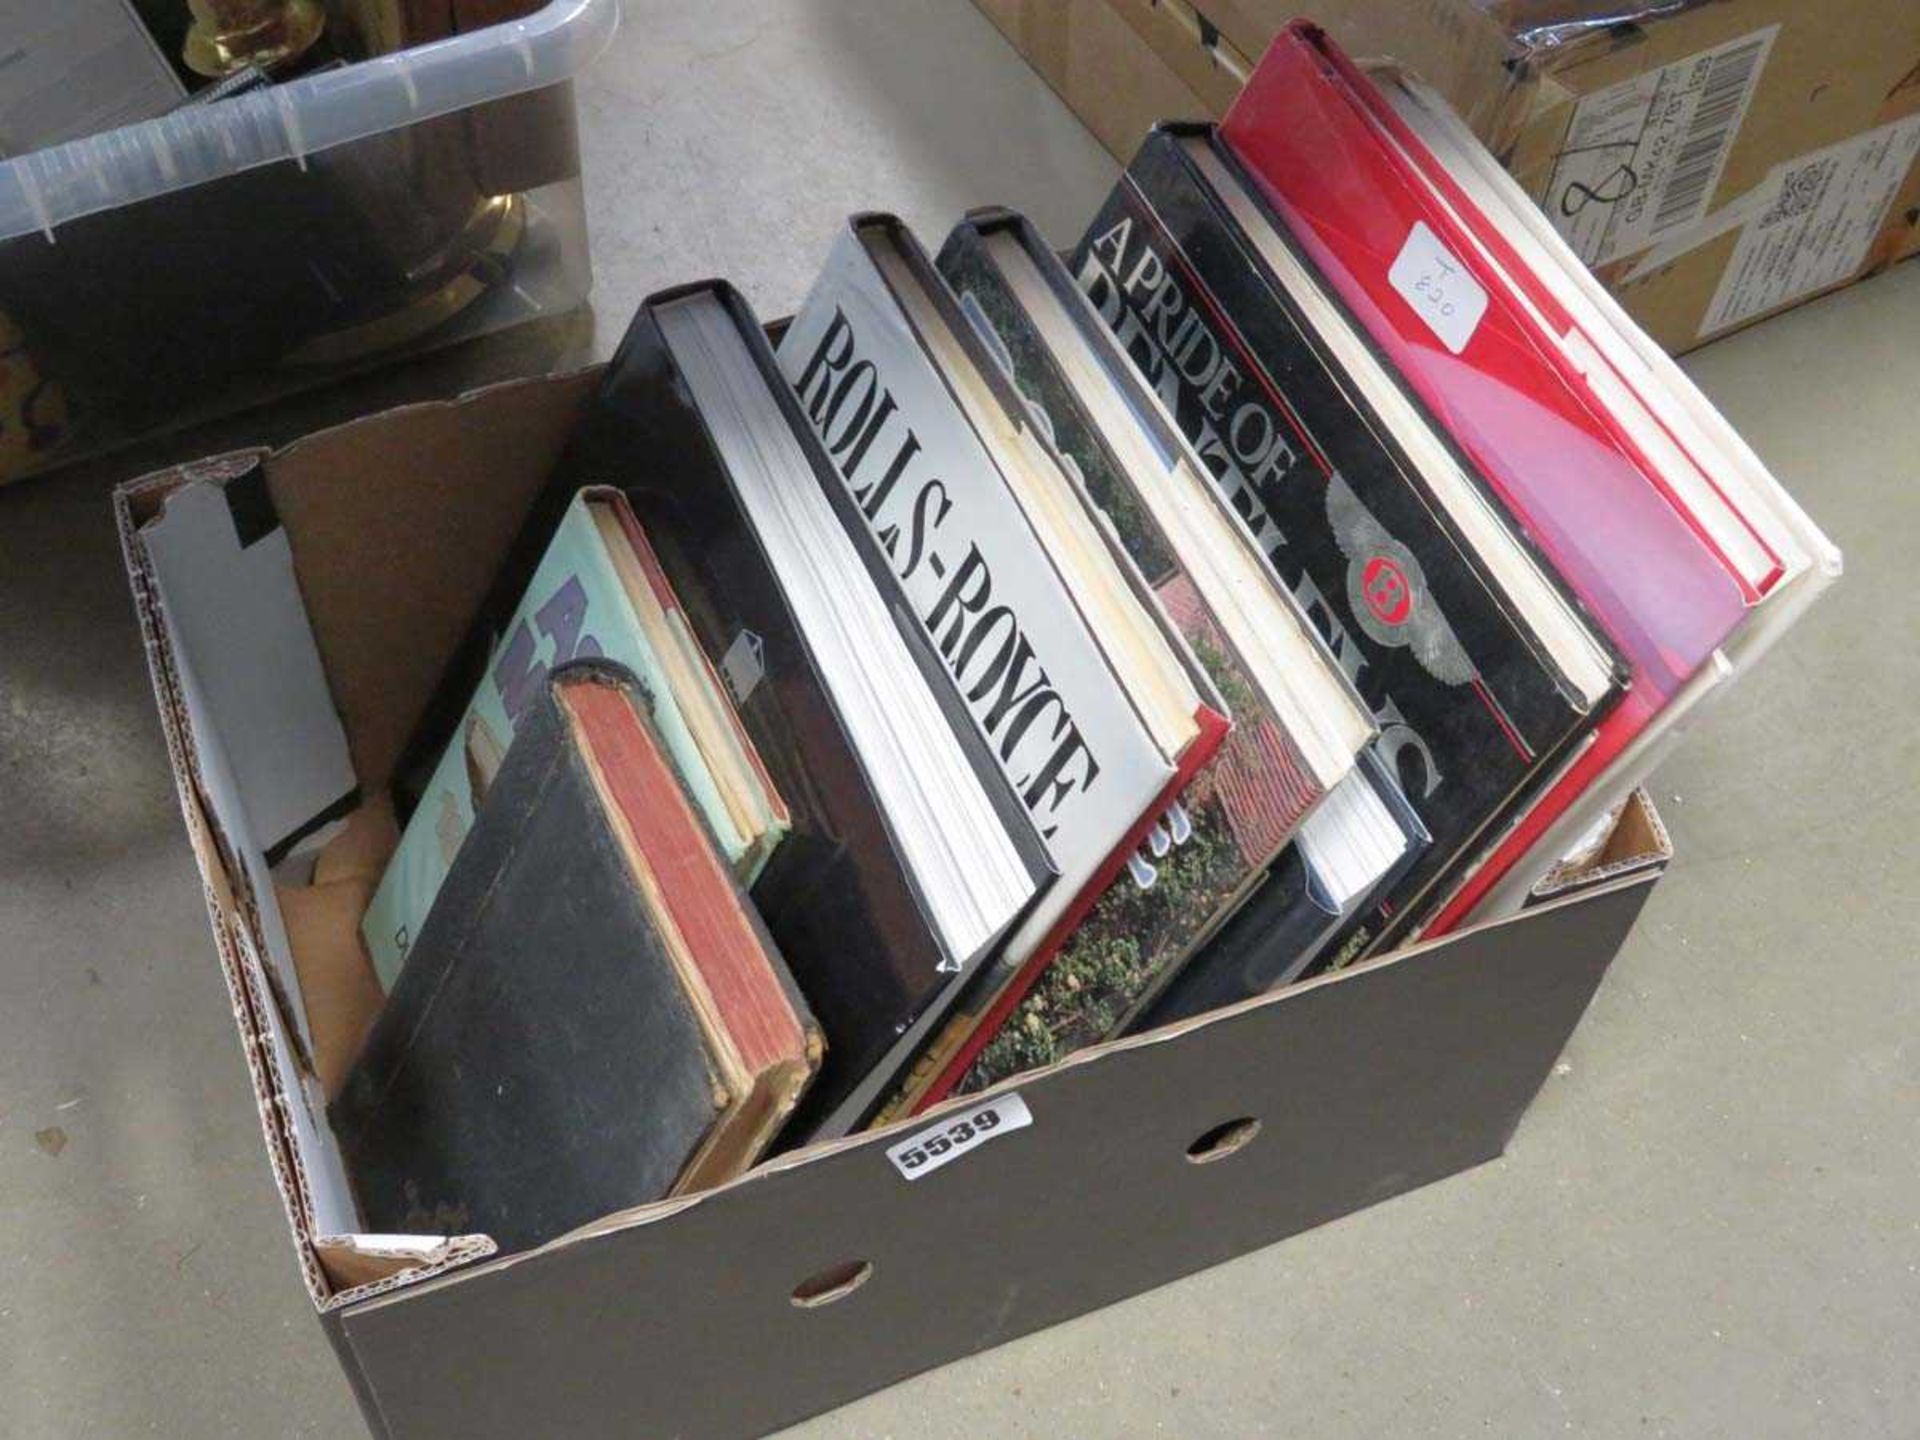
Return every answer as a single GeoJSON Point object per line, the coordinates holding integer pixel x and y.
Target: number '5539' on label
{"type": "Point", "coordinates": [958, 1133]}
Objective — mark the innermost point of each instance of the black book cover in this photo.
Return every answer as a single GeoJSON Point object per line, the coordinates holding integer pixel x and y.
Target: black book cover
{"type": "Point", "coordinates": [539, 1063]}
{"type": "Point", "coordinates": [836, 893]}
{"type": "Point", "coordinates": [1472, 715]}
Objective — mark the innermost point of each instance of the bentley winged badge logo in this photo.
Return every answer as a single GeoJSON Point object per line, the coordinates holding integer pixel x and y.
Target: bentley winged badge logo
{"type": "Point", "coordinates": [1387, 590]}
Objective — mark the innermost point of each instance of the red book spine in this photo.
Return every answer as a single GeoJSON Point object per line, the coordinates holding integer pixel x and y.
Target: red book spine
{"type": "Point", "coordinates": [1555, 459]}
{"type": "Point", "coordinates": [1313, 131]}
{"type": "Point", "coordinates": [690, 886]}
{"type": "Point", "coordinates": [1380, 110]}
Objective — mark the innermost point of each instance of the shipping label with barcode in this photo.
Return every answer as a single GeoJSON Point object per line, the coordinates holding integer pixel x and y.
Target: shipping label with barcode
{"type": "Point", "coordinates": [1642, 158]}
{"type": "Point", "coordinates": [1814, 223]}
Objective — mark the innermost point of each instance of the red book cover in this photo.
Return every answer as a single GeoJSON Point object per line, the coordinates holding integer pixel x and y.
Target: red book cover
{"type": "Point", "coordinates": [1477, 352]}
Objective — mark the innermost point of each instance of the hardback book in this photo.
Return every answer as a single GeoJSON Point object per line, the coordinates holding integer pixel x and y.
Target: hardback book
{"type": "Point", "coordinates": [1297, 723]}
{"type": "Point", "coordinates": [909, 857]}
{"type": "Point", "coordinates": [599, 591]}
{"type": "Point", "coordinates": [1091, 701]}
{"type": "Point", "coordinates": [1483, 674]}
{"type": "Point", "coordinates": [1310, 909]}
{"type": "Point", "coordinates": [1677, 541]}
{"type": "Point", "coordinates": [593, 1016]}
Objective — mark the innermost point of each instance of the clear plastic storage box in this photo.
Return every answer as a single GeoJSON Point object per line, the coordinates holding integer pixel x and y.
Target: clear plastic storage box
{"type": "Point", "coordinates": [213, 257]}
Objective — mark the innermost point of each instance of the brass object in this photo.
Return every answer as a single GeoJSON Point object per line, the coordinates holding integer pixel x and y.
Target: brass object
{"type": "Point", "coordinates": [469, 267]}
{"type": "Point", "coordinates": [229, 35]}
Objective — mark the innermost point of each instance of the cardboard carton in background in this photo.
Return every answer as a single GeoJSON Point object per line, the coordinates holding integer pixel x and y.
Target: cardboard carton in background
{"type": "Point", "coordinates": [1815, 188]}
{"type": "Point", "coordinates": [1107, 73]}
{"type": "Point", "coordinates": [1123, 65]}
{"type": "Point", "coordinates": [1804, 168]}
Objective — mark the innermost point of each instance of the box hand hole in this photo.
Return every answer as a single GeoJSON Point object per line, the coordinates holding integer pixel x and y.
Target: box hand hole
{"type": "Point", "coordinates": [1228, 1138]}
{"type": "Point", "coordinates": [836, 1282]}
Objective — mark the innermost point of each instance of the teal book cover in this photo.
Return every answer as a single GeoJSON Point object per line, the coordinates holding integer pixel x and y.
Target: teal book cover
{"type": "Point", "coordinates": [577, 607]}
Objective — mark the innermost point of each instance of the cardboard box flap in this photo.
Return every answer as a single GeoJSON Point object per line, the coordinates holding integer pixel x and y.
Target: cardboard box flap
{"type": "Point", "coordinates": [1635, 839]}
{"type": "Point", "coordinates": [224, 570]}
{"type": "Point", "coordinates": [392, 571]}
{"type": "Point", "coordinates": [221, 581]}
{"type": "Point", "coordinates": [360, 1266]}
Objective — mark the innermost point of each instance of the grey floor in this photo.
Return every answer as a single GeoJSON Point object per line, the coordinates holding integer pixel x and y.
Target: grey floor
{"type": "Point", "coordinates": [1709, 1225]}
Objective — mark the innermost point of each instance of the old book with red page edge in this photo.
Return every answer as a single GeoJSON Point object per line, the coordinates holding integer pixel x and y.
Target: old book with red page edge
{"type": "Point", "coordinates": [663, 592]}
{"type": "Point", "coordinates": [1213, 730]}
{"type": "Point", "coordinates": [1567, 473]}
{"type": "Point", "coordinates": [694, 889]}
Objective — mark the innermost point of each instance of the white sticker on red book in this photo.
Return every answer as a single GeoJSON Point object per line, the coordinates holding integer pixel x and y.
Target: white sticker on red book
{"type": "Point", "coordinates": [960, 1133]}
{"type": "Point", "coordinates": [1438, 287]}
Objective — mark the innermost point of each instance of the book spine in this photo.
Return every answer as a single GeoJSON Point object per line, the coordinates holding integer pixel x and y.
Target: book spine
{"type": "Point", "coordinates": [972, 569]}
{"type": "Point", "coordinates": [1612, 738]}
{"type": "Point", "coordinates": [1578, 483]}
{"type": "Point", "coordinates": [836, 895]}
{"type": "Point", "coordinates": [954, 1055]}
{"type": "Point", "coordinates": [1237, 809]}
{"type": "Point", "coordinates": [576, 607]}
{"type": "Point", "coordinates": [1466, 712]}
{"type": "Point", "coordinates": [1285, 918]}
{"type": "Point", "coordinates": [1172, 891]}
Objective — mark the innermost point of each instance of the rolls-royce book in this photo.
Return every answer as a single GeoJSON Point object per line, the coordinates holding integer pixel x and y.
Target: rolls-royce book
{"type": "Point", "coordinates": [593, 1016]}
{"type": "Point", "coordinates": [1297, 723]}
{"type": "Point", "coordinates": [1483, 677]}
{"type": "Point", "coordinates": [1092, 702]}
{"type": "Point", "coordinates": [598, 592]}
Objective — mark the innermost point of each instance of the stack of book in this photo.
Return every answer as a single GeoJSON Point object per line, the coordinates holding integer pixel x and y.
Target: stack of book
{"type": "Point", "coordinates": [1027, 650]}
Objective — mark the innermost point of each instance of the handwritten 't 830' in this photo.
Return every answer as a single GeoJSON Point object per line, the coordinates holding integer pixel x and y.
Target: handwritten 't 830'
{"type": "Point", "coordinates": [1433, 286]}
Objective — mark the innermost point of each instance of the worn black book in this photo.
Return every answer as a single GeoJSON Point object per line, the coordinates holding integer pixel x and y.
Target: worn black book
{"type": "Point", "coordinates": [1481, 673]}
{"type": "Point", "coordinates": [695, 424]}
{"type": "Point", "coordinates": [592, 1017]}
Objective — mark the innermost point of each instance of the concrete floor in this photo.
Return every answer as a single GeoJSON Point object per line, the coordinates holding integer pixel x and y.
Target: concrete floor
{"type": "Point", "coordinates": [1709, 1224]}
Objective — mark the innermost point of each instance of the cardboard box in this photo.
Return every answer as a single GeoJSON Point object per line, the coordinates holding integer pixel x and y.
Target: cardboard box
{"type": "Point", "coordinates": [1109, 75]}
{"type": "Point", "coordinates": [1123, 65]}
{"type": "Point", "coordinates": [1815, 185]}
{"type": "Point", "coordinates": [1453, 44]}
{"type": "Point", "coordinates": [1715, 163]}
{"type": "Point", "coordinates": [297, 606]}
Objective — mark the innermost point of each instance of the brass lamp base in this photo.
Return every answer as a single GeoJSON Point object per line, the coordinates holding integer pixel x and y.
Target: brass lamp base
{"type": "Point", "coordinates": [230, 35]}
{"type": "Point", "coordinates": [467, 269]}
